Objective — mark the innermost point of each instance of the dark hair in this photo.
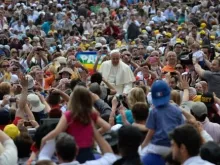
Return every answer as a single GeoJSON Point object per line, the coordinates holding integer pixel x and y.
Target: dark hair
{"type": "Point", "coordinates": [188, 136]}
{"type": "Point", "coordinates": [96, 77]}
{"type": "Point", "coordinates": [53, 98]}
{"type": "Point", "coordinates": [210, 151]}
{"type": "Point", "coordinates": [66, 147]}
{"type": "Point", "coordinates": [23, 143]}
{"type": "Point", "coordinates": [129, 139]}
{"type": "Point", "coordinates": [42, 131]}
{"type": "Point", "coordinates": [140, 111]}
{"type": "Point", "coordinates": [200, 118]}
{"type": "Point", "coordinates": [73, 83]}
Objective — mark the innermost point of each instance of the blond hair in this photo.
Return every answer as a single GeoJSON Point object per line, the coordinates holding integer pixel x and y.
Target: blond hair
{"type": "Point", "coordinates": [175, 97]}
{"type": "Point", "coordinates": [136, 95]}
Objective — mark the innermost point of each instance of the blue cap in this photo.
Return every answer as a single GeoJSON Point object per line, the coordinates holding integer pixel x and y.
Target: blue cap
{"type": "Point", "coordinates": [160, 92]}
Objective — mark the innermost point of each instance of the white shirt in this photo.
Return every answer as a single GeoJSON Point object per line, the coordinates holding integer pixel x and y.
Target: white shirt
{"type": "Point", "coordinates": [49, 149]}
{"type": "Point", "coordinates": [20, 29]}
{"type": "Point", "coordinates": [196, 160]}
{"type": "Point", "coordinates": [27, 48]}
{"type": "Point", "coordinates": [114, 4]}
{"type": "Point", "coordinates": [9, 156]}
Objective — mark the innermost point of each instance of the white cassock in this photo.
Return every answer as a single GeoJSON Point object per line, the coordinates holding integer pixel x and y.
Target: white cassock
{"type": "Point", "coordinates": [120, 76]}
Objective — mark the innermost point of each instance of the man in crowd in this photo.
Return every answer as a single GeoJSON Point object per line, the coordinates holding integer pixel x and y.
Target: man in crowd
{"type": "Point", "coordinates": [186, 150]}
{"type": "Point", "coordinates": [117, 73]}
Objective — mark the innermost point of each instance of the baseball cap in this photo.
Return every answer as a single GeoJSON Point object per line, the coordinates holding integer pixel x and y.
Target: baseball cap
{"type": "Point", "coordinates": [12, 131]}
{"type": "Point", "coordinates": [98, 45]}
{"type": "Point", "coordinates": [199, 109]}
{"type": "Point", "coordinates": [207, 99]}
{"type": "Point", "coordinates": [160, 92]}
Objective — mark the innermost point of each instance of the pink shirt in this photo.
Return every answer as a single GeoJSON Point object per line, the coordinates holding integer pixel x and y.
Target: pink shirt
{"type": "Point", "coordinates": [213, 129]}
{"type": "Point", "coordinates": [83, 134]}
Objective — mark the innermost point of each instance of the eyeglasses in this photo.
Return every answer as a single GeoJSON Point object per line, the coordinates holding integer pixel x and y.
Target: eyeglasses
{"type": "Point", "coordinates": [5, 66]}
{"type": "Point", "coordinates": [178, 68]}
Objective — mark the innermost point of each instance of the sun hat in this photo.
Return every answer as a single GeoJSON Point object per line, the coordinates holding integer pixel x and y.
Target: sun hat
{"type": "Point", "coordinates": [12, 131]}
{"type": "Point", "coordinates": [98, 45]}
{"type": "Point", "coordinates": [160, 93]}
{"type": "Point", "coordinates": [66, 69]}
{"type": "Point", "coordinates": [35, 102]}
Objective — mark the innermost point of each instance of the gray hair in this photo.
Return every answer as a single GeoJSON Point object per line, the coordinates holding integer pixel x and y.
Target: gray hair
{"type": "Point", "coordinates": [192, 92]}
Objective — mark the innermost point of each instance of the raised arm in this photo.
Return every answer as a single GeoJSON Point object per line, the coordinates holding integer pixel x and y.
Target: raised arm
{"type": "Point", "coordinates": [199, 70]}
{"type": "Point", "coordinates": [103, 144]}
{"type": "Point", "coordinates": [112, 89]}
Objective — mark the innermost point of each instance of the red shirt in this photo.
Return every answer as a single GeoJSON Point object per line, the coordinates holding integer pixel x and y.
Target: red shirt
{"type": "Point", "coordinates": [15, 122]}
{"type": "Point", "coordinates": [83, 134]}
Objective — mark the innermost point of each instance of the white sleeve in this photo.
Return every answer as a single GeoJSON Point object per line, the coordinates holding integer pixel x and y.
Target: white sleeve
{"type": "Point", "coordinates": [47, 151]}
{"type": "Point", "coordinates": [127, 87]}
{"type": "Point", "coordinates": [10, 154]}
{"type": "Point", "coordinates": [107, 159]}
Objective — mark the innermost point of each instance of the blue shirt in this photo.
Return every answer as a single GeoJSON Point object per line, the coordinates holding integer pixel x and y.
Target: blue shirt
{"type": "Point", "coordinates": [128, 115]}
{"type": "Point", "coordinates": [46, 27]}
{"type": "Point", "coordinates": [163, 120]}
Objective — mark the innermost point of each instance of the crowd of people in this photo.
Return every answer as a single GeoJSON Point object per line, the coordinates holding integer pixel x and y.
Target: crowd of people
{"type": "Point", "coordinates": [148, 94]}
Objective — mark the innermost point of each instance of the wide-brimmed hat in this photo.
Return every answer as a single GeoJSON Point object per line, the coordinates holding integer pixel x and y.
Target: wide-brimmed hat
{"type": "Point", "coordinates": [68, 70]}
{"type": "Point", "coordinates": [35, 102]}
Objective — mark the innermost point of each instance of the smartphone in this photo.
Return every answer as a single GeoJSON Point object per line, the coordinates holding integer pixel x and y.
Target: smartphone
{"type": "Point", "coordinates": [12, 99]}
{"type": "Point", "coordinates": [27, 124]}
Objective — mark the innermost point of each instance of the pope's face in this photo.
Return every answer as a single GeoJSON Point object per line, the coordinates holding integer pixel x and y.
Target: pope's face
{"type": "Point", "coordinates": [115, 58]}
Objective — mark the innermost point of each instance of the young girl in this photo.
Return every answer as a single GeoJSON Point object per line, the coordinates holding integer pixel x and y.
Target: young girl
{"type": "Point", "coordinates": [77, 122]}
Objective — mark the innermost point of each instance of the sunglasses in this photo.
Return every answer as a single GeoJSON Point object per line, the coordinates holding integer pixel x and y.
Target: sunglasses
{"type": "Point", "coordinates": [105, 48]}
{"type": "Point", "coordinates": [178, 68]}
{"type": "Point", "coordinates": [5, 66]}
{"type": "Point", "coordinates": [99, 48]}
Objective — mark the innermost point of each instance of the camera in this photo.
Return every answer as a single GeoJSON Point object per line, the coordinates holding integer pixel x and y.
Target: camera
{"type": "Point", "coordinates": [120, 98]}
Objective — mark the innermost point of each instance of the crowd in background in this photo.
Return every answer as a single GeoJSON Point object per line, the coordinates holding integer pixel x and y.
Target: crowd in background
{"type": "Point", "coordinates": [148, 94]}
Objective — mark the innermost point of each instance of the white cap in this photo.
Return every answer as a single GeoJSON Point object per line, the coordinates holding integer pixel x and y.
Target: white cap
{"type": "Point", "coordinates": [86, 32]}
{"type": "Point", "coordinates": [84, 38]}
{"type": "Point", "coordinates": [150, 48]}
{"type": "Point", "coordinates": [158, 36]}
{"type": "Point", "coordinates": [59, 5]}
{"type": "Point", "coordinates": [148, 28]}
{"type": "Point", "coordinates": [151, 23]}
{"type": "Point", "coordinates": [98, 45]}
{"type": "Point", "coordinates": [92, 14]}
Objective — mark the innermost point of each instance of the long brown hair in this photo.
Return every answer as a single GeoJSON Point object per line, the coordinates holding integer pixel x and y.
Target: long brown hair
{"type": "Point", "coordinates": [81, 104]}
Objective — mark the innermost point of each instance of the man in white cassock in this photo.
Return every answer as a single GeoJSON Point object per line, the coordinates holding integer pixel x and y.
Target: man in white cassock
{"type": "Point", "coordinates": [117, 73]}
